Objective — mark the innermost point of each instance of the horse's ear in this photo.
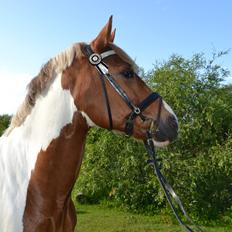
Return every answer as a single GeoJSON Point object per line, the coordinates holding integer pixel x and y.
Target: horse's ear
{"type": "Point", "coordinates": [104, 37]}
{"type": "Point", "coordinates": [112, 35]}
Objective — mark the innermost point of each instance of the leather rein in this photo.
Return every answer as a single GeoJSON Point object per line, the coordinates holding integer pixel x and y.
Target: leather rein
{"type": "Point", "coordinates": [171, 196]}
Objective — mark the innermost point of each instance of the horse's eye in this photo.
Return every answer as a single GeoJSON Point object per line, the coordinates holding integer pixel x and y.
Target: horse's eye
{"type": "Point", "coordinates": [128, 74]}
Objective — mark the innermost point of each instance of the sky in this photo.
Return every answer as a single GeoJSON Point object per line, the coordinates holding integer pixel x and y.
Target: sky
{"type": "Point", "coordinates": [32, 32]}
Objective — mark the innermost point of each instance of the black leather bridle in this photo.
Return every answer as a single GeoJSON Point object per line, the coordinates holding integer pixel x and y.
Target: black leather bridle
{"type": "Point", "coordinates": [136, 110]}
{"type": "Point", "coordinates": [96, 60]}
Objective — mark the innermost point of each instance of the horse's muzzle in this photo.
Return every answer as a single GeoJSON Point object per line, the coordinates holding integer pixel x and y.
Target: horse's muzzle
{"type": "Point", "coordinates": [166, 131]}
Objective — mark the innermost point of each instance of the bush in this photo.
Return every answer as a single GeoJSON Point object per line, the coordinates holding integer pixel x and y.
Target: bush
{"type": "Point", "coordinates": [115, 168]}
{"type": "Point", "coordinates": [4, 123]}
{"type": "Point", "coordinates": [213, 182]}
{"type": "Point", "coordinates": [198, 164]}
{"type": "Point", "coordinates": [120, 173]}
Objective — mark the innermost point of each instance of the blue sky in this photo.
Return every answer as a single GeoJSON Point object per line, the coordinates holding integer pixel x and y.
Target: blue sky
{"type": "Point", "coordinates": [149, 30]}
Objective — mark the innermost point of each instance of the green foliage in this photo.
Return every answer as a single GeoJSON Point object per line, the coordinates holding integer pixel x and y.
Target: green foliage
{"type": "Point", "coordinates": [114, 166]}
{"type": "Point", "coordinates": [4, 123]}
{"type": "Point", "coordinates": [198, 164]}
{"type": "Point", "coordinates": [204, 182]}
{"type": "Point", "coordinates": [212, 185]}
{"type": "Point", "coordinates": [204, 108]}
{"type": "Point", "coordinates": [192, 87]}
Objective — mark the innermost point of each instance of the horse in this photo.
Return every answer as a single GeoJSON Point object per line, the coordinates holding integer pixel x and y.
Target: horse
{"type": "Point", "coordinates": [85, 86]}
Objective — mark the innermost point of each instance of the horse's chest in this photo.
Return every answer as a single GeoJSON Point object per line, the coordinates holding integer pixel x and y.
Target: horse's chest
{"type": "Point", "coordinates": [15, 174]}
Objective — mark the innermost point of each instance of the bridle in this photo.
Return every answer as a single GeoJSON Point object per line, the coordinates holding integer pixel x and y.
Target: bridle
{"type": "Point", "coordinates": [96, 60]}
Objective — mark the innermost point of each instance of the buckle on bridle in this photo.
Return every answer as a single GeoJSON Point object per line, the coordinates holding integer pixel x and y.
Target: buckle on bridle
{"type": "Point", "coordinates": [137, 110]}
{"type": "Point", "coordinates": [95, 59]}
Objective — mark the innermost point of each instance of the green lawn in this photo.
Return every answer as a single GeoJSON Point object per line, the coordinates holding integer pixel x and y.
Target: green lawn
{"type": "Point", "coordinates": [97, 218]}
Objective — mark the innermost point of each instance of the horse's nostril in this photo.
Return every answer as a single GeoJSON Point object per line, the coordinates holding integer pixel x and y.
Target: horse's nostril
{"type": "Point", "coordinates": [166, 130]}
{"type": "Point", "coordinates": [161, 136]}
{"type": "Point", "coordinates": [172, 128]}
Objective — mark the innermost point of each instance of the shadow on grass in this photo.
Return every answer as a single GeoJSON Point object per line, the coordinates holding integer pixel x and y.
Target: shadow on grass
{"type": "Point", "coordinates": [78, 211]}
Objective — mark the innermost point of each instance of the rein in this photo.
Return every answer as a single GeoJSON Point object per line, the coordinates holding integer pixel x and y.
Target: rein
{"type": "Point", "coordinates": [167, 188]}
{"type": "Point", "coordinates": [136, 110]}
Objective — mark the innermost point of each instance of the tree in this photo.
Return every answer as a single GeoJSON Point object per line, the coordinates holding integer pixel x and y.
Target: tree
{"type": "Point", "coordinates": [193, 88]}
{"type": "Point", "coordinates": [4, 123]}
{"type": "Point", "coordinates": [115, 167]}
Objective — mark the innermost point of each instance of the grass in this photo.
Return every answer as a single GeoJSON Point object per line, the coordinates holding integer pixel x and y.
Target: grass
{"type": "Point", "coordinates": [98, 218]}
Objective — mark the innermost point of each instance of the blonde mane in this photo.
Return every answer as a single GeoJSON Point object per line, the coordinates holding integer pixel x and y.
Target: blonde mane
{"type": "Point", "coordinates": [47, 73]}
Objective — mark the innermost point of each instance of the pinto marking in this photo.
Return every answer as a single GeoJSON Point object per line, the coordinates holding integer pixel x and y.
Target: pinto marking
{"type": "Point", "coordinates": [88, 119]}
{"type": "Point", "coordinates": [54, 109]}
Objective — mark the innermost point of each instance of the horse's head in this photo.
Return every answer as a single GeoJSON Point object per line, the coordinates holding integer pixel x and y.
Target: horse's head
{"type": "Point", "coordinates": [109, 93]}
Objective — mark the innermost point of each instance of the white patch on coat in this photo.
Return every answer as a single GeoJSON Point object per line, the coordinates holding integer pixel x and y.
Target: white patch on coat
{"type": "Point", "coordinates": [160, 144]}
{"type": "Point", "coordinates": [53, 110]}
{"type": "Point", "coordinates": [169, 109]}
{"type": "Point", "coordinates": [88, 119]}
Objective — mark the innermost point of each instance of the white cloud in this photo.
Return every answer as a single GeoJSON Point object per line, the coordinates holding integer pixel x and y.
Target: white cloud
{"type": "Point", "coordinates": [12, 91]}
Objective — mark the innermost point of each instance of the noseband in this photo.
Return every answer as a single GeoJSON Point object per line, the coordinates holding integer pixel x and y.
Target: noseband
{"type": "Point", "coordinates": [95, 59]}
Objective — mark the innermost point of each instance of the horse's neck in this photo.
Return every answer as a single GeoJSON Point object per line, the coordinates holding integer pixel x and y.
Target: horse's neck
{"type": "Point", "coordinates": [54, 109]}
{"type": "Point", "coordinates": [55, 174]}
